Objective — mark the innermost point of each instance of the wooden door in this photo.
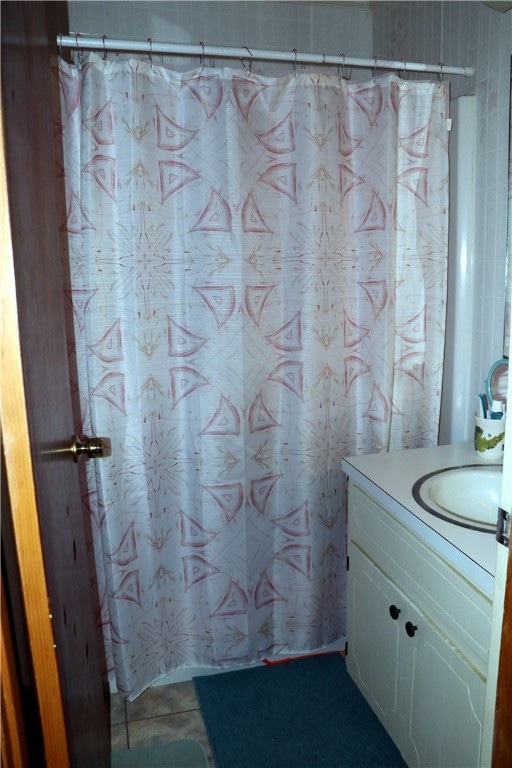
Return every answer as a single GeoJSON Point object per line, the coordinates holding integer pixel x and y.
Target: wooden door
{"type": "Point", "coordinates": [502, 745]}
{"type": "Point", "coordinates": [58, 594]}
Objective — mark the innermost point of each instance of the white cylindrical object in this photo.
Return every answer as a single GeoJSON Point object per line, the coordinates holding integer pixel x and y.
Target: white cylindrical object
{"type": "Point", "coordinates": [458, 397]}
{"type": "Point", "coordinates": [489, 438]}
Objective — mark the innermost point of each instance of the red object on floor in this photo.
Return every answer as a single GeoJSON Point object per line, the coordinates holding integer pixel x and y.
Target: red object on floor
{"type": "Point", "coordinates": [272, 662]}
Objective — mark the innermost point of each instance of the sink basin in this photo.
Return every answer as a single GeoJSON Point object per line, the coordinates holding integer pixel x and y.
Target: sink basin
{"type": "Point", "coordinates": [468, 496]}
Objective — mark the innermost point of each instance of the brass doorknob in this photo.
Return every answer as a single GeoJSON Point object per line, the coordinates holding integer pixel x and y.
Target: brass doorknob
{"type": "Point", "coordinates": [92, 447]}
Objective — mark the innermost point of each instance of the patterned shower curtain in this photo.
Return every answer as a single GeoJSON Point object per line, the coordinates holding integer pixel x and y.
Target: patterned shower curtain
{"type": "Point", "coordinates": [257, 281]}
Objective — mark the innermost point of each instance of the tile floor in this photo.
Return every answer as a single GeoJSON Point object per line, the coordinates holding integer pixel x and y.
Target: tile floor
{"type": "Point", "coordinates": [163, 713]}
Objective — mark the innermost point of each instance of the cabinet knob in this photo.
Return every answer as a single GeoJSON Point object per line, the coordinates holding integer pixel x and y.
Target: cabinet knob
{"type": "Point", "coordinates": [394, 612]}
{"type": "Point", "coordinates": [410, 628]}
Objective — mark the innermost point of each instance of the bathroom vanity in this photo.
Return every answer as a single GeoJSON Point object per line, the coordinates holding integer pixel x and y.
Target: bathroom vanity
{"type": "Point", "coordinates": [418, 608]}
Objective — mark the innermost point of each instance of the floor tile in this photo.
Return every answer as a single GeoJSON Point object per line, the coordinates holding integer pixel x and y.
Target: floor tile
{"type": "Point", "coordinates": [118, 737]}
{"type": "Point", "coordinates": [163, 700]}
{"type": "Point", "coordinates": [117, 709]}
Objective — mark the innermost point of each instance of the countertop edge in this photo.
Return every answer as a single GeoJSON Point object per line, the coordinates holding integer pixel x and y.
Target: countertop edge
{"type": "Point", "coordinates": [472, 557]}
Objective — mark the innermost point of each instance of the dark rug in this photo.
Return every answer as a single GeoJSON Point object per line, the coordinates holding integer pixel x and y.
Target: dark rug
{"type": "Point", "coordinates": [185, 753]}
{"type": "Point", "coordinates": [305, 713]}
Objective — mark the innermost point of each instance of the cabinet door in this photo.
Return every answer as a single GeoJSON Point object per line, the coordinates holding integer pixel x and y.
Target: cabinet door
{"type": "Point", "coordinates": [445, 699]}
{"type": "Point", "coordinates": [374, 638]}
{"type": "Point", "coordinates": [425, 693]}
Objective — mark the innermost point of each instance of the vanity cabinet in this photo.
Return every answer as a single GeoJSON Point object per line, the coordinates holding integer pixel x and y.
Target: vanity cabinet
{"type": "Point", "coordinates": [418, 639]}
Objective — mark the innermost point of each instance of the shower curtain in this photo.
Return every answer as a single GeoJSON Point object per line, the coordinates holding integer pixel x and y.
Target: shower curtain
{"type": "Point", "coordinates": [256, 278]}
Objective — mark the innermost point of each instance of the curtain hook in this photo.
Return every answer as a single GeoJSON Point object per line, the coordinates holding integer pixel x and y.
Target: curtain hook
{"type": "Point", "coordinates": [201, 56]}
{"type": "Point", "coordinates": [295, 62]}
{"type": "Point", "coordinates": [345, 75]}
{"type": "Point", "coordinates": [104, 37]}
{"type": "Point", "coordinates": [150, 41]}
{"type": "Point", "coordinates": [440, 74]}
{"type": "Point", "coordinates": [60, 48]}
{"type": "Point", "coordinates": [403, 72]}
{"type": "Point", "coordinates": [374, 68]}
{"type": "Point", "coordinates": [250, 60]}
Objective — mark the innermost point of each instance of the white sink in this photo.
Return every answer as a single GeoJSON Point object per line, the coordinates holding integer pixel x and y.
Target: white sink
{"type": "Point", "coordinates": [469, 496]}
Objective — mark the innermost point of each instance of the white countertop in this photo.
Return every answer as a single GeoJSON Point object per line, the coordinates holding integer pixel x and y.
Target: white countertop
{"type": "Point", "coordinates": [389, 477]}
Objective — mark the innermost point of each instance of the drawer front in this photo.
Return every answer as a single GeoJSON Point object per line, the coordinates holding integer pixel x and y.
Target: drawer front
{"type": "Point", "coordinates": [458, 609]}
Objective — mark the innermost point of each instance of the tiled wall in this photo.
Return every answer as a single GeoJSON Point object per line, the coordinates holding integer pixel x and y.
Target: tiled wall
{"type": "Point", "coordinates": [468, 33]}
{"type": "Point", "coordinates": [321, 27]}
{"type": "Point", "coordinates": [452, 32]}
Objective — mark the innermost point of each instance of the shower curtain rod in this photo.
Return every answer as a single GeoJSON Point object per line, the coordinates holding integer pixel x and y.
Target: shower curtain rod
{"type": "Point", "coordinates": [201, 50]}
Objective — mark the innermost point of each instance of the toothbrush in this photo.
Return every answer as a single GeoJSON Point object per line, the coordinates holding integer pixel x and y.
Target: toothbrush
{"type": "Point", "coordinates": [496, 410]}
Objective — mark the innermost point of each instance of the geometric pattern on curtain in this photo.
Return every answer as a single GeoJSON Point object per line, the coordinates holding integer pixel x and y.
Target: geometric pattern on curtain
{"type": "Point", "coordinates": [257, 280]}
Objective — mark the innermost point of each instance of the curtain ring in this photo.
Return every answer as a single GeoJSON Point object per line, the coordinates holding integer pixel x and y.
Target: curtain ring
{"type": "Point", "coordinates": [295, 62]}
{"type": "Point", "coordinates": [104, 37]}
{"type": "Point", "coordinates": [201, 56]}
{"type": "Point", "coordinates": [403, 72]}
{"type": "Point", "coordinates": [440, 74]}
{"type": "Point", "coordinates": [374, 68]}
{"type": "Point", "coordinates": [60, 48]}
{"type": "Point", "coordinates": [150, 41]}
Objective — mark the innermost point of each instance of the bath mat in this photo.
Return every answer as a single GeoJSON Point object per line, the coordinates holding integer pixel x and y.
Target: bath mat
{"type": "Point", "coordinates": [303, 714]}
{"type": "Point", "coordinates": [185, 753]}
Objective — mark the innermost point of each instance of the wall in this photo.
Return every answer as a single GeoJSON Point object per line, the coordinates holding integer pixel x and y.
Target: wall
{"type": "Point", "coordinates": [452, 32]}
{"type": "Point", "coordinates": [322, 27]}
{"type": "Point", "coordinates": [468, 33]}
